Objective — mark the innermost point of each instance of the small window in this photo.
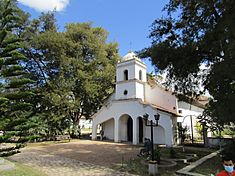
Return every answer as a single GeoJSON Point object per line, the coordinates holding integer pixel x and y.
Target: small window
{"type": "Point", "coordinates": [140, 75]}
{"type": "Point", "coordinates": [125, 92]}
{"type": "Point", "coordinates": [126, 75]}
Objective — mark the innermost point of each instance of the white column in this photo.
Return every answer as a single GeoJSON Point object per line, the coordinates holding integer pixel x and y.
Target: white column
{"type": "Point", "coordinates": [116, 130]}
{"type": "Point", "coordinates": [94, 132]}
{"type": "Point", "coordinates": [135, 131]}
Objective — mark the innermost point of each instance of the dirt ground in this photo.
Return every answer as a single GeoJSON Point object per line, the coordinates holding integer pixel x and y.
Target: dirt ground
{"type": "Point", "coordinates": [76, 158]}
{"type": "Point", "coordinates": [94, 152]}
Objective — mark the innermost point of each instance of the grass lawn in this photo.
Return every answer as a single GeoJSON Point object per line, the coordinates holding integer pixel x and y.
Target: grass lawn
{"type": "Point", "coordinates": [211, 166]}
{"type": "Point", "coordinates": [21, 170]}
{"type": "Point", "coordinates": [136, 166]}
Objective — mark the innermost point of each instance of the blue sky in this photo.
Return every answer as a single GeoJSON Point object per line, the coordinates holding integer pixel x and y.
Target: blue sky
{"type": "Point", "coordinates": [127, 21]}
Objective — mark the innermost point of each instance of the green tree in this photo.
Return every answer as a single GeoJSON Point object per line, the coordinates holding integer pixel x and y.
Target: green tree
{"type": "Point", "coordinates": [74, 70]}
{"type": "Point", "coordinates": [43, 67]}
{"type": "Point", "coordinates": [196, 32]}
{"type": "Point", "coordinates": [16, 85]}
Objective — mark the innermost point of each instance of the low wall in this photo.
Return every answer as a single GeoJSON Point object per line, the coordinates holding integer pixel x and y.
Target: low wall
{"type": "Point", "coordinates": [217, 141]}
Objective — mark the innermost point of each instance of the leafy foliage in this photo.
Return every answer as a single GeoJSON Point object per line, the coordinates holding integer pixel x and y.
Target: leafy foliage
{"type": "Point", "coordinates": [16, 85]}
{"type": "Point", "coordinates": [74, 70]}
{"type": "Point", "coordinates": [196, 33]}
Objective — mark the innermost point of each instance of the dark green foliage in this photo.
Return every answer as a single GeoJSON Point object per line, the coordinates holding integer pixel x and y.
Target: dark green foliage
{"type": "Point", "coordinates": [182, 133]}
{"type": "Point", "coordinates": [16, 85]}
{"type": "Point", "coordinates": [228, 151]}
{"type": "Point", "coordinates": [74, 70]}
{"type": "Point", "coordinates": [172, 152]}
{"type": "Point", "coordinates": [4, 138]}
{"type": "Point", "coordinates": [198, 32]}
{"type": "Point", "coordinates": [157, 155]}
{"type": "Point", "coordinates": [4, 152]}
{"type": "Point", "coordinates": [9, 153]}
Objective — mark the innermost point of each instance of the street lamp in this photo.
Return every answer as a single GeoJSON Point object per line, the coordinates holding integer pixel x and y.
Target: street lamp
{"type": "Point", "coordinates": [157, 117]}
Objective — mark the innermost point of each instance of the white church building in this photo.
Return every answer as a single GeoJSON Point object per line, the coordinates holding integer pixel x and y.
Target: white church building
{"type": "Point", "coordinates": [121, 117]}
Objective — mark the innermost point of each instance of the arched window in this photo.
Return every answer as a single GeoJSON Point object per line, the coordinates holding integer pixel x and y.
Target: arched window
{"type": "Point", "coordinates": [126, 75]}
{"type": "Point", "coordinates": [140, 75]}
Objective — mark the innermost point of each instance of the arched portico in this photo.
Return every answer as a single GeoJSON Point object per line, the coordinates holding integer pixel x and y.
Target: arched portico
{"type": "Point", "coordinates": [130, 129]}
{"type": "Point", "coordinates": [107, 127]}
{"type": "Point", "coordinates": [130, 126]}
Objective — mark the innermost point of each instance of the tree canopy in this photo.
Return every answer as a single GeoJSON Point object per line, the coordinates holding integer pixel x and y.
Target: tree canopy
{"type": "Point", "coordinates": [192, 34]}
{"type": "Point", "coordinates": [74, 69]}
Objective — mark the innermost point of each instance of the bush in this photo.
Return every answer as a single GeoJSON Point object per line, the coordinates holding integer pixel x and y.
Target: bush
{"type": "Point", "coordinates": [4, 138]}
{"type": "Point", "coordinates": [157, 155]}
{"type": "Point", "coordinates": [229, 150]}
{"type": "Point", "coordinates": [9, 153]}
{"type": "Point", "coordinates": [10, 150]}
{"type": "Point", "coordinates": [172, 152]}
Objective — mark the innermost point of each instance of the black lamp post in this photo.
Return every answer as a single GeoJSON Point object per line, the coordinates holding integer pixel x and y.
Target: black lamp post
{"type": "Point", "coordinates": [157, 117]}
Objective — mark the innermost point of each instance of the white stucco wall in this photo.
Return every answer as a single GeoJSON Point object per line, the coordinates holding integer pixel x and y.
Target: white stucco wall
{"type": "Point", "coordinates": [188, 112]}
{"type": "Point", "coordinates": [141, 67]}
{"type": "Point", "coordinates": [121, 67]}
{"type": "Point", "coordinates": [133, 85]}
{"type": "Point", "coordinates": [186, 106]}
{"type": "Point", "coordinates": [133, 66]}
{"type": "Point", "coordinates": [158, 134]}
{"type": "Point", "coordinates": [139, 90]}
{"type": "Point", "coordinates": [134, 90]}
{"type": "Point", "coordinates": [121, 87]}
{"type": "Point", "coordinates": [123, 127]}
{"type": "Point", "coordinates": [160, 97]}
{"type": "Point", "coordinates": [108, 128]}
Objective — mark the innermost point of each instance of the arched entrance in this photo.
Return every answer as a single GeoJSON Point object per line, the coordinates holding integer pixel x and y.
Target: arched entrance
{"type": "Point", "coordinates": [140, 130]}
{"type": "Point", "coordinates": [129, 129]}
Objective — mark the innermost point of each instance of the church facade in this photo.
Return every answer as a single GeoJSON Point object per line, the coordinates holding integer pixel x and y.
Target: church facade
{"type": "Point", "coordinates": [121, 117]}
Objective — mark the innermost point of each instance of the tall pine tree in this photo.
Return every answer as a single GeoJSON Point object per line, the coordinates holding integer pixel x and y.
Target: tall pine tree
{"type": "Point", "coordinates": [15, 84]}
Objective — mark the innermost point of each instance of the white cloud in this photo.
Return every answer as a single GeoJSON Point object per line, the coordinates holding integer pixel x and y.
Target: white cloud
{"type": "Point", "coordinates": [46, 5]}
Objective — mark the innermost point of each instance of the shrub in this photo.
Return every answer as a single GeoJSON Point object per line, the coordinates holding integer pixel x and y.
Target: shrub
{"type": "Point", "coordinates": [229, 150]}
{"type": "Point", "coordinates": [157, 155]}
{"type": "Point", "coordinates": [172, 152]}
{"type": "Point", "coordinates": [10, 150]}
{"type": "Point", "coordinates": [4, 138]}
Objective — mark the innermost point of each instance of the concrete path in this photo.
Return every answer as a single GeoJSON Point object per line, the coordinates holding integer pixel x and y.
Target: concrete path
{"type": "Point", "coordinates": [81, 158]}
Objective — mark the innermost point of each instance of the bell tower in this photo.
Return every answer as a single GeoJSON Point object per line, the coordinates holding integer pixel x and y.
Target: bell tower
{"type": "Point", "coordinates": [130, 77]}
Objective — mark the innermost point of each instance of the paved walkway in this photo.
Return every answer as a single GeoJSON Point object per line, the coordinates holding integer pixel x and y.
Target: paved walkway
{"type": "Point", "coordinates": [81, 158]}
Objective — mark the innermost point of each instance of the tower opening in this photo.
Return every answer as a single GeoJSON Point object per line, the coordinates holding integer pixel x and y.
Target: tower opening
{"type": "Point", "coordinates": [140, 75]}
{"type": "Point", "coordinates": [126, 75]}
